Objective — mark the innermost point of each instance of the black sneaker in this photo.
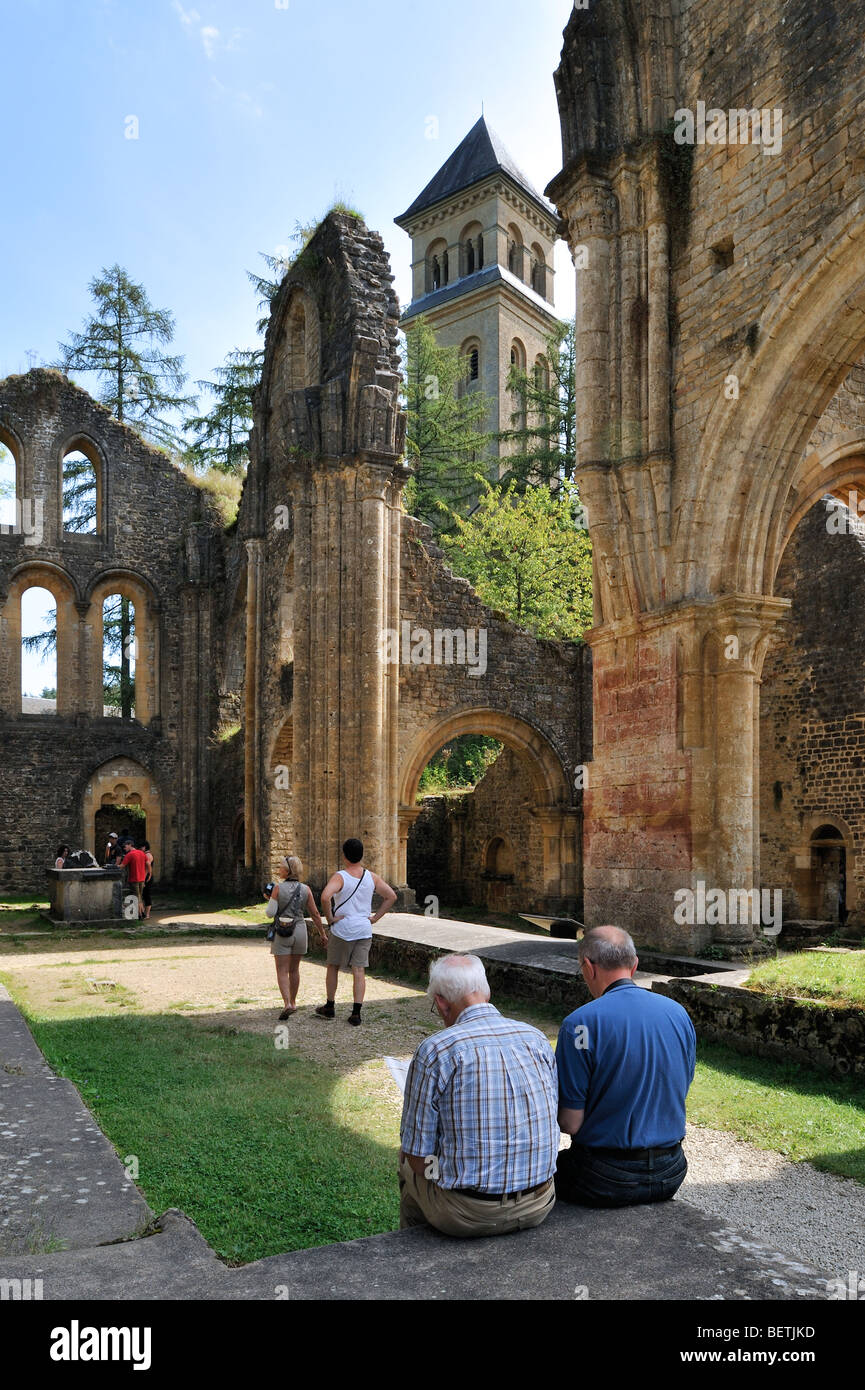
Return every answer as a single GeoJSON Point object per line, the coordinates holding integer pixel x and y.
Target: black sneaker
{"type": "Point", "coordinates": [354, 1020]}
{"type": "Point", "coordinates": [325, 1011]}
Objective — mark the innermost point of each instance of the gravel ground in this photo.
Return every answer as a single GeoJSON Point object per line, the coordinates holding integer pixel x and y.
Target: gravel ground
{"type": "Point", "coordinates": [791, 1207]}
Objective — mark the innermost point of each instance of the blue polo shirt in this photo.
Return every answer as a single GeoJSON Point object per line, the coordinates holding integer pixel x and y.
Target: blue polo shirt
{"type": "Point", "coordinates": [627, 1060]}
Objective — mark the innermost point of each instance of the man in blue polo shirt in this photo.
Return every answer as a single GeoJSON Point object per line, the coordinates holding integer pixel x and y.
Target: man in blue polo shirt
{"type": "Point", "coordinates": [624, 1062]}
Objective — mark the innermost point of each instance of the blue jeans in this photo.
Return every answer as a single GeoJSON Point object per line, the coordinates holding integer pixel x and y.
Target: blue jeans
{"type": "Point", "coordinates": [597, 1180]}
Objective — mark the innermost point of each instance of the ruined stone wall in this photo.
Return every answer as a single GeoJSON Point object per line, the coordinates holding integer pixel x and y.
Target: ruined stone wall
{"type": "Point", "coordinates": [806, 60]}
{"type": "Point", "coordinates": [449, 845]}
{"type": "Point", "coordinates": [720, 305]}
{"type": "Point", "coordinates": [812, 712]}
{"type": "Point", "coordinates": [157, 542]}
{"type": "Point", "coordinates": [542, 683]}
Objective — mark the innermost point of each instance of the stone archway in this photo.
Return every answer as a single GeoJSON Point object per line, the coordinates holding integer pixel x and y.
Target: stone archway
{"type": "Point", "coordinates": [122, 781]}
{"type": "Point", "coordinates": [549, 793]}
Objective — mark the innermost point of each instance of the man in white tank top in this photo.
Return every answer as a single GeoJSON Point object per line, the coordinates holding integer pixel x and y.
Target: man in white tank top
{"type": "Point", "coordinates": [347, 902]}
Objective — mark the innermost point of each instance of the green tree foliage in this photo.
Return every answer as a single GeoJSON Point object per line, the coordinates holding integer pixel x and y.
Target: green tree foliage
{"type": "Point", "coordinates": [122, 344]}
{"type": "Point", "coordinates": [527, 555]}
{"type": "Point", "coordinates": [541, 444]}
{"type": "Point", "coordinates": [461, 765]}
{"type": "Point", "coordinates": [118, 647]}
{"type": "Point", "coordinates": [446, 442]}
{"type": "Point", "coordinates": [7, 474]}
{"type": "Point", "coordinates": [221, 437]}
{"type": "Point", "coordinates": [267, 286]}
{"type": "Point", "coordinates": [79, 493]}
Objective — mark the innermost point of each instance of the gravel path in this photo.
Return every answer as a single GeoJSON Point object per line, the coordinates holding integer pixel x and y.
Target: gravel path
{"type": "Point", "coordinates": [791, 1207]}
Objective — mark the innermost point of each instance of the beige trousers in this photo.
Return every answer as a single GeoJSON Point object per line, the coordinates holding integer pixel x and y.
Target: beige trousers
{"type": "Point", "coordinates": [424, 1203]}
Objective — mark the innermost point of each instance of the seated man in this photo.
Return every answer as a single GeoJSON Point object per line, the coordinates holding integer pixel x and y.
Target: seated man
{"type": "Point", "coordinates": [478, 1134]}
{"type": "Point", "coordinates": [625, 1062]}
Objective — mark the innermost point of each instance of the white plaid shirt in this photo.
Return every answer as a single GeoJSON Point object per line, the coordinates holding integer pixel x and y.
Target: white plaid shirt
{"type": "Point", "coordinates": [482, 1097]}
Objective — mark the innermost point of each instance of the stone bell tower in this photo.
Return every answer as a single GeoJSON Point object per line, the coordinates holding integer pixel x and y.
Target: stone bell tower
{"type": "Point", "coordinates": [323, 562]}
{"type": "Point", "coordinates": [483, 243]}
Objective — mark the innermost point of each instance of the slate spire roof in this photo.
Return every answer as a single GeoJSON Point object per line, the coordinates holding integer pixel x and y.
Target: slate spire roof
{"type": "Point", "coordinates": [480, 154]}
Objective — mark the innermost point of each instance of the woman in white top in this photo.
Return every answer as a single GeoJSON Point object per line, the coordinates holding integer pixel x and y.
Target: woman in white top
{"type": "Point", "coordinates": [62, 855]}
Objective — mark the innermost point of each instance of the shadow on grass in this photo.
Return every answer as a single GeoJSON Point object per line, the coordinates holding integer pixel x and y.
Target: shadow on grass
{"type": "Point", "coordinates": [247, 1139]}
{"type": "Point", "coordinates": [765, 1102]}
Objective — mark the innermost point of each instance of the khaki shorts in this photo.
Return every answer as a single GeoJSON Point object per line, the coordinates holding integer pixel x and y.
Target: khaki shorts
{"type": "Point", "coordinates": [348, 954]}
{"type": "Point", "coordinates": [291, 945]}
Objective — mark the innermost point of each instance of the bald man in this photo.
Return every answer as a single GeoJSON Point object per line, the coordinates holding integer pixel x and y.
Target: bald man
{"type": "Point", "coordinates": [625, 1062]}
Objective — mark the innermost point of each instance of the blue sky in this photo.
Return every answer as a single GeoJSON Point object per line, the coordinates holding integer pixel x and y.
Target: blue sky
{"type": "Point", "coordinates": [251, 117]}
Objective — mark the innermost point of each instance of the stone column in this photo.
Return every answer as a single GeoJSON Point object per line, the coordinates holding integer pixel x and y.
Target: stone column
{"type": "Point", "coordinates": [250, 747]}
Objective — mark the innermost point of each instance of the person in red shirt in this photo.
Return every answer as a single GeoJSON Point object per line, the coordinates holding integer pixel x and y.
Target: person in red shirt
{"type": "Point", "coordinates": [134, 862]}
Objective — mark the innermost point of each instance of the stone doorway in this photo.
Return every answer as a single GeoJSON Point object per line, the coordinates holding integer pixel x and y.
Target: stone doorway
{"type": "Point", "coordinates": [827, 879]}
{"type": "Point", "coordinates": [116, 817]}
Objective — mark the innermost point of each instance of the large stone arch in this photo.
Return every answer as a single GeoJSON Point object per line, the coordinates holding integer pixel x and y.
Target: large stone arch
{"type": "Point", "coordinates": [122, 779]}
{"type": "Point", "coordinates": [694, 456]}
{"type": "Point", "coordinates": [552, 801]}
{"type": "Point", "coordinates": [754, 469]}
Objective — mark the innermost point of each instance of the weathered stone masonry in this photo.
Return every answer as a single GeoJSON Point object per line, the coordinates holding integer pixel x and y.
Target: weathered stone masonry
{"type": "Point", "coordinates": [700, 267]}
{"type": "Point", "coordinates": [336, 737]}
{"type": "Point", "coordinates": [157, 543]}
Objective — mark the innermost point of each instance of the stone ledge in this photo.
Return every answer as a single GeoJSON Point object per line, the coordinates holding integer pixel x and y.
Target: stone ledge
{"type": "Point", "coordinates": [767, 1025]}
{"type": "Point", "coordinates": [669, 1251]}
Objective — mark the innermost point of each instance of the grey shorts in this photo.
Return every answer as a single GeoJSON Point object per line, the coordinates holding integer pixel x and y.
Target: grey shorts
{"type": "Point", "coordinates": [347, 954]}
{"type": "Point", "coordinates": [291, 945]}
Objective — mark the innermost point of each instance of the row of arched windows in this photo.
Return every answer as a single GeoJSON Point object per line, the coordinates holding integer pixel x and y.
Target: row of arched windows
{"type": "Point", "coordinates": [40, 678]}
{"type": "Point", "coordinates": [527, 264]}
{"type": "Point", "coordinates": [471, 355]}
{"type": "Point", "coordinates": [79, 489]}
{"type": "Point", "coordinates": [66, 652]}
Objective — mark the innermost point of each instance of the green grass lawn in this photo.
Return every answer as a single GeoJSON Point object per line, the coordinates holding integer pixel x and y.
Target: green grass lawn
{"type": "Point", "coordinates": [269, 1151]}
{"type": "Point", "coordinates": [265, 1151]}
{"type": "Point", "coordinates": [829, 977]}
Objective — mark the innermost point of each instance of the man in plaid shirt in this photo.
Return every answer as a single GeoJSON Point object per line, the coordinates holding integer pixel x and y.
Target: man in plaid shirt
{"type": "Point", "coordinates": [479, 1133]}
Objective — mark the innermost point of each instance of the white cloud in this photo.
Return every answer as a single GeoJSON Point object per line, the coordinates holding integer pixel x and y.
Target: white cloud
{"type": "Point", "coordinates": [243, 101]}
{"type": "Point", "coordinates": [188, 18]}
{"type": "Point", "coordinates": [212, 40]}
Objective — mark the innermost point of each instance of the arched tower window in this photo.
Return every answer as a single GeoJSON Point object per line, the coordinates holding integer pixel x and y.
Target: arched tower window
{"type": "Point", "coordinates": [518, 364]}
{"type": "Point", "coordinates": [437, 265]}
{"type": "Point", "coordinates": [472, 243]}
{"type": "Point", "coordinates": [81, 489]}
{"type": "Point", "coordinates": [38, 651]}
{"type": "Point", "coordinates": [515, 251]}
{"type": "Point", "coordinates": [118, 656]}
{"type": "Point", "coordinates": [539, 271]}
